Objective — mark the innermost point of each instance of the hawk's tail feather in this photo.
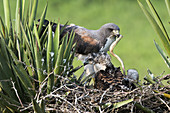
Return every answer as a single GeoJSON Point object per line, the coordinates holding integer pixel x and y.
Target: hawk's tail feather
{"type": "Point", "coordinates": [63, 28]}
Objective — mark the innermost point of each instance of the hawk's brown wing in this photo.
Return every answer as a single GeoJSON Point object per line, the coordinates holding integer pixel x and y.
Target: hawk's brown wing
{"type": "Point", "coordinates": [84, 43]}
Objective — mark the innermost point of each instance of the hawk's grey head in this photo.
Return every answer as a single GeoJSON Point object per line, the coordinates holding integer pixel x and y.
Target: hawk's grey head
{"type": "Point", "coordinates": [109, 32]}
{"type": "Point", "coordinates": [110, 29]}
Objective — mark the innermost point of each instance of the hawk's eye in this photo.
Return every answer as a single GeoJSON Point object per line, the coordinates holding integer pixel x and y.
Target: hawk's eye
{"type": "Point", "coordinates": [110, 30]}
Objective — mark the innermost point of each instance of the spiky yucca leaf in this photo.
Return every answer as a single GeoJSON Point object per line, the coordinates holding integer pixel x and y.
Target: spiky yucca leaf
{"type": "Point", "coordinates": [56, 42]}
{"type": "Point", "coordinates": [18, 17]}
{"type": "Point", "coordinates": [33, 14]}
{"type": "Point", "coordinates": [156, 24]}
{"type": "Point", "coordinates": [2, 27]}
{"type": "Point", "coordinates": [36, 107]}
{"type": "Point", "coordinates": [49, 57]}
{"type": "Point", "coordinates": [168, 6]}
{"type": "Point", "coordinates": [7, 13]}
{"type": "Point", "coordinates": [157, 19]}
{"type": "Point", "coordinates": [42, 19]}
{"type": "Point", "coordinates": [22, 51]}
{"type": "Point", "coordinates": [164, 56]}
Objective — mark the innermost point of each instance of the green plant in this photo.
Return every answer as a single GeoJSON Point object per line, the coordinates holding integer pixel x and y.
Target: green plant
{"type": "Point", "coordinates": [158, 26]}
{"type": "Point", "coordinates": [29, 64]}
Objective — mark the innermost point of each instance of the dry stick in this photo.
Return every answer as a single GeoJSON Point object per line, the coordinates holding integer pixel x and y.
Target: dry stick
{"type": "Point", "coordinates": [89, 107]}
{"type": "Point", "coordinates": [102, 99]}
{"type": "Point", "coordinates": [162, 102]}
{"type": "Point", "coordinates": [116, 56]}
{"type": "Point", "coordinates": [60, 97]}
{"type": "Point", "coordinates": [30, 106]}
{"type": "Point", "coordinates": [75, 99]}
{"type": "Point", "coordinates": [42, 84]}
{"type": "Point", "coordinates": [40, 90]}
{"type": "Point", "coordinates": [13, 86]}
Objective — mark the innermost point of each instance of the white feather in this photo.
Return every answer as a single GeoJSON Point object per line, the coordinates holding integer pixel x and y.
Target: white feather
{"type": "Point", "coordinates": [98, 67]}
{"type": "Point", "coordinates": [81, 57]}
{"type": "Point", "coordinates": [89, 69]}
{"type": "Point", "coordinates": [109, 41]}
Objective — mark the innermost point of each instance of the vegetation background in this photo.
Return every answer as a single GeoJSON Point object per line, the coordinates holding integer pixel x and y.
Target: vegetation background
{"type": "Point", "coordinates": [136, 49]}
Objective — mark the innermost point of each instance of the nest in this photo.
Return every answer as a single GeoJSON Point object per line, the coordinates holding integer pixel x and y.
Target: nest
{"type": "Point", "coordinates": [71, 98]}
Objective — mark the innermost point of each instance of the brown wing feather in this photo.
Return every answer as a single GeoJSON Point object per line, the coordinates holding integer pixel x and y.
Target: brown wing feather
{"type": "Point", "coordinates": [86, 45]}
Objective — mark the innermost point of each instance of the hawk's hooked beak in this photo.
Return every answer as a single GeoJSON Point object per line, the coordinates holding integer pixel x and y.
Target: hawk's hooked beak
{"type": "Point", "coordinates": [116, 33]}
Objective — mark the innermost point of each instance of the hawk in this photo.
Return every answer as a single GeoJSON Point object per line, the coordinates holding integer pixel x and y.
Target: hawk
{"type": "Point", "coordinates": [89, 41]}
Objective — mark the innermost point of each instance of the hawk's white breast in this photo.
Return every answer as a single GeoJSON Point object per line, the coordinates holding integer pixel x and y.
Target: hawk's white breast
{"type": "Point", "coordinates": [109, 41]}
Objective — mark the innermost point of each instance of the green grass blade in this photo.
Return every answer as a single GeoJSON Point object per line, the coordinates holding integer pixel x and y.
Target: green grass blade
{"type": "Point", "coordinates": [37, 37]}
{"type": "Point", "coordinates": [59, 62]}
{"type": "Point", "coordinates": [7, 13]}
{"type": "Point", "coordinates": [18, 16]}
{"type": "Point", "coordinates": [23, 8]}
{"type": "Point", "coordinates": [69, 46]}
{"type": "Point", "coordinates": [65, 41]}
{"type": "Point", "coordinates": [157, 19]}
{"type": "Point", "coordinates": [28, 12]}
{"type": "Point", "coordinates": [25, 37]}
{"type": "Point", "coordinates": [67, 52]}
{"type": "Point", "coordinates": [73, 54]}
{"type": "Point", "coordinates": [119, 104]}
{"type": "Point", "coordinates": [49, 55]}
{"type": "Point", "coordinates": [42, 105]}
{"type": "Point", "coordinates": [42, 19]}
{"type": "Point", "coordinates": [56, 42]}
{"type": "Point", "coordinates": [49, 48]}
{"type": "Point", "coordinates": [30, 8]}
{"type": "Point", "coordinates": [29, 35]}
{"type": "Point", "coordinates": [11, 100]}
{"type": "Point", "coordinates": [3, 49]}
{"type": "Point", "coordinates": [15, 73]}
{"type": "Point", "coordinates": [33, 14]}
{"type": "Point", "coordinates": [143, 109]}
{"type": "Point", "coordinates": [14, 57]}
{"type": "Point", "coordinates": [11, 108]}
{"type": "Point", "coordinates": [24, 77]}
{"type": "Point", "coordinates": [164, 56]}
{"type": "Point", "coordinates": [150, 77]}
{"type": "Point", "coordinates": [168, 6]}
{"type": "Point", "coordinates": [37, 59]}
{"type": "Point", "coordinates": [156, 28]}
{"type": "Point", "coordinates": [2, 26]}
{"type": "Point", "coordinates": [44, 37]}
{"type": "Point", "coordinates": [27, 61]}
{"type": "Point", "coordinates": [36, 107]}
{"type": "Point", "coordinates": [5, 75]}
{"type": "Point", "coordinates": [31, 39]}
